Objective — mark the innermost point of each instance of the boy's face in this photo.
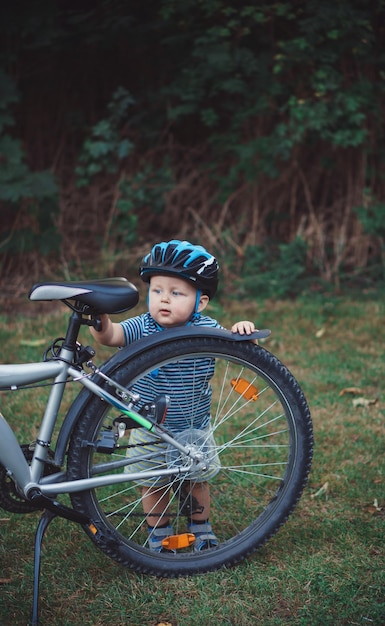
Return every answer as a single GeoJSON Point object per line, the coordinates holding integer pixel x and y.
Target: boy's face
{"type": "Point", "coordinates": [172, 300]}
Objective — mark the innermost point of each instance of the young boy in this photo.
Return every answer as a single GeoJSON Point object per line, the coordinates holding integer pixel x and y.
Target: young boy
{"type": "Point", "coordinates": [182, 278]}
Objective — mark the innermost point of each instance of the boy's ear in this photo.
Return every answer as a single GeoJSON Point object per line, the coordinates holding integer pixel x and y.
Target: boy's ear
{"type": "Point", "coordinates": [203, 302]}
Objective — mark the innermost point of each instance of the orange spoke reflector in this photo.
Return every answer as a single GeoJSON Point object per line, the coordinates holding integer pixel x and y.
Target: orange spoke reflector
{"type": "Point", "coordinates": [92, 528]}
{"type": "Point", "coordinates": [177, 542]}
{"type": "Point", "coordinates": [245, 389]}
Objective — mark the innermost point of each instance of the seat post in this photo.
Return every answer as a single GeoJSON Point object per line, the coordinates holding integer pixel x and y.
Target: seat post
{"type": "Point", "coordinates": [76, 320]}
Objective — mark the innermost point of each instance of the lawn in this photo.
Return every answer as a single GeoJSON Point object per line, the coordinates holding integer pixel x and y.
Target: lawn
{"type": "Point", "coordinates": [326, 564]}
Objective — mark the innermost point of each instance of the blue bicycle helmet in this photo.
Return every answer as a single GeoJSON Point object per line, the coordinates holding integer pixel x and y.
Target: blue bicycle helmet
{"type": "Point", "coordinates": [184, 260]}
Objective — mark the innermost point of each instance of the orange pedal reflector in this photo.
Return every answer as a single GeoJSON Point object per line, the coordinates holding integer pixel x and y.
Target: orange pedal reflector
{"type": "Point", "coordinates": [177, 542]}
{"type": "Point", "coordinates": [245, 389]}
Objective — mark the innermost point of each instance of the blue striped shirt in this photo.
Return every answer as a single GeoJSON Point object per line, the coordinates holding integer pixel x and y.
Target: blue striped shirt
{"type": "Point", "coordinates": [186, 381]}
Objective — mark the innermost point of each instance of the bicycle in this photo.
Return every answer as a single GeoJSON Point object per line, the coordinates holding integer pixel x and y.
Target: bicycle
{"type": "Point", "coordinates": [261, 432]}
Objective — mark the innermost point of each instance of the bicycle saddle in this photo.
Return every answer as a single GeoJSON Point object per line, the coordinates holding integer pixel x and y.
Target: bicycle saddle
{"type": "Point", "coordinates": [93, 297]}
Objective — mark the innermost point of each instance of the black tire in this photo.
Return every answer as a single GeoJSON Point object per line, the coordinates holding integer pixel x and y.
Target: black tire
{"type": "Point", "coordinates": [264, 445]}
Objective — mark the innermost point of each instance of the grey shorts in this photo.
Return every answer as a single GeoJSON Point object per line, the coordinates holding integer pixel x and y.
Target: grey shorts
{"type": "Point", "coordinates": [163, 456]}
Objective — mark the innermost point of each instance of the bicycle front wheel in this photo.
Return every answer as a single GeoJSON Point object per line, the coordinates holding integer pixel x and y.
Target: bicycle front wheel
{"type": "Point", "coordinates": [258, 459]}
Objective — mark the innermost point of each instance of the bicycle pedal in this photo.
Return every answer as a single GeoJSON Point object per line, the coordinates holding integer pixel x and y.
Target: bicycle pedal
{"type": "Point", "coordinates": [178, 542]}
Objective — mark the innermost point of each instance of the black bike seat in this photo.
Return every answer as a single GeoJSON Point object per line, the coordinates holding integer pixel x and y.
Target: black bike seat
{"type": "Point", "coordinates": [93, 297]}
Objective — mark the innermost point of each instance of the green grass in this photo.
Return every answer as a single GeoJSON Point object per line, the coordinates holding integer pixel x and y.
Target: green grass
{"type": "Point", "coordinates": [325, 566]}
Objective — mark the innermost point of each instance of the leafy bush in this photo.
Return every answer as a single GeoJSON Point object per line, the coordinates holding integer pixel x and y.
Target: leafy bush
{"type": "Point", "coordinates": [274, 271]}
{"type": "Point", "coordinates": [106, 145]}
{"type": "Point", "coordinates": [263, 110]}
{"type": "Point", "coordinates": [28, 199]}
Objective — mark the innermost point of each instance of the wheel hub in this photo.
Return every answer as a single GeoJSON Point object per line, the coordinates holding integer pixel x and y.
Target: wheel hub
{"type": "Point", "coordinates": [201, 450]}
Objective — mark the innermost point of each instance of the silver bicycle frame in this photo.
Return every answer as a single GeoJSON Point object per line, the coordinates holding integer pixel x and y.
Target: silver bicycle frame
{"type": "Point", "coordinates": [28, 476]}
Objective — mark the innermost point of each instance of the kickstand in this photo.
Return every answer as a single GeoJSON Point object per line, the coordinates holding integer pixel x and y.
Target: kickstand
{"type": "Point", "coordinates": [44, 522]}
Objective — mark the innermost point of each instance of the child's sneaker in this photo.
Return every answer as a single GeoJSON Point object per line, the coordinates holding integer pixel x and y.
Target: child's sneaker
{"type": "Point", "coordinates": [204, 536]}
{"type": "Point", "coordinates": [156, 536]}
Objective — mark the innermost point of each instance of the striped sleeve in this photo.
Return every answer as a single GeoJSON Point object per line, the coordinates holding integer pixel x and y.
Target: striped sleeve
{"type": "Point", "coordinates": [134, 328]}
{"type": "Point", "coordinates": [205, 320]}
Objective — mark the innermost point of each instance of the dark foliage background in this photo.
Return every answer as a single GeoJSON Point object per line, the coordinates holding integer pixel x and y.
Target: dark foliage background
{"type": "Point", "coordinates": [256, 128]}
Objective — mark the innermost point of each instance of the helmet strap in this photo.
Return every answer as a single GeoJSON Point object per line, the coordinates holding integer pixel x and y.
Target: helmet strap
{"type": "Point", "coordinates": [196, 313]}
{"type": "Point", "coordinates": [197, 300]}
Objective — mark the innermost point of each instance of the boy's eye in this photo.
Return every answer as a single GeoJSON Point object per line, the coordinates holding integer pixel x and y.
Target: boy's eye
{"type": "Point", "coordinates": [174, 292]}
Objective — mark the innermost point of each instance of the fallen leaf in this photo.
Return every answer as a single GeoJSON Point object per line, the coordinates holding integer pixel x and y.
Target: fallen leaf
{"type": "Point", "coordinates": [321, 491]}
{"type": "Point", "coordinates": [320, 333]}
{"type": "Point", "coordinates": [364, 401]}
{"type": "Point", "coordinates": [353, 390]}
{"type": "Point", "coordinates": [374, 508]}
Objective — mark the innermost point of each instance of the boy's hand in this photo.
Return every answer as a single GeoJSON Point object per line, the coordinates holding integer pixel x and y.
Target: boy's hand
{"type": "Point", "coordinates": [243, 328]}
{"type": "Point", "coordinates": [109, 333]}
